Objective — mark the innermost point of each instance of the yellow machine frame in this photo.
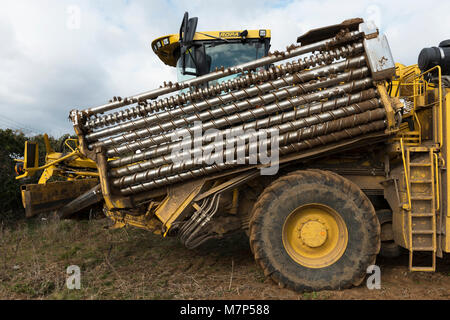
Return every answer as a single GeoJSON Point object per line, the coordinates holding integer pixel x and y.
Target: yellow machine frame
{"type": "Point", "coordinates": [45, 195]}
{"type": "Point", "coordinates": [419, 226]}
{"type": "Point", "coordinates": [52, 159]}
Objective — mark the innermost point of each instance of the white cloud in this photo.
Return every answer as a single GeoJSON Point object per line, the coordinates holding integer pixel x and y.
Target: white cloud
{"type": "Point", "coordinates": [48, 69]}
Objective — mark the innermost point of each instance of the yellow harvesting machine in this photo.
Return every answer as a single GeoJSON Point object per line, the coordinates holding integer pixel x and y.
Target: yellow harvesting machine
{"type": "Point", "coordinates": [326, 154]}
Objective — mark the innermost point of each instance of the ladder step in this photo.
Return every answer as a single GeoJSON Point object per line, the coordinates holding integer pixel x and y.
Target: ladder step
{"type": "Point", "coordinates": [420, 164]}
{"type": "Point", "coordinates": [422, 269]}
{"type": "Point", "coordinates": [423, 232]}
{"type": "Point", "coordinates": [422, 249]}
{"type": "Point", "coordinates": [419, 149]}
{"type": "Point", "coordinates": [421, 198]}
{"type": "Point", "coordinates": [420, 215]}
{"type": "Point", "coordinates": [421, 237]}
{"type": "Point", "coordinates": [421, 181]}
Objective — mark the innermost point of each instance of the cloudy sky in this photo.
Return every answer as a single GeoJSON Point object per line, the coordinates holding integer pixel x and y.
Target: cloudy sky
{"type": "Point", "coordinates": [57, 55]}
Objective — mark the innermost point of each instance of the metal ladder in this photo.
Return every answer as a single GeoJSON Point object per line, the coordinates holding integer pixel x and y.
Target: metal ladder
{"type": "Point", "coordinates": [421, 182]}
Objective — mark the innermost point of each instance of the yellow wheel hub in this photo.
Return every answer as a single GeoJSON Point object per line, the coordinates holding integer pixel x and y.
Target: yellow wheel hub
{"type": "Point", "coordinates": [315, 235]}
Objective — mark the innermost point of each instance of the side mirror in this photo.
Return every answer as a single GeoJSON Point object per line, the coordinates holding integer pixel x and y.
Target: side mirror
{"type": "Point", "coordinates": [190, 33]}
{"type": "Point", "coordinates": [187, 29]}
{"type": "Point", "coordinates": [183, 27]}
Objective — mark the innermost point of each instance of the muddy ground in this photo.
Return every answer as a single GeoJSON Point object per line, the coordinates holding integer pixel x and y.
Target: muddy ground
{"type": "Point", "coordinates": [134, 264]}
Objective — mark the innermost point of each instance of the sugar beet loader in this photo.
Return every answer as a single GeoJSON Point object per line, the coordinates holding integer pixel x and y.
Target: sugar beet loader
{"type": "Point", "coordinates": [357, 161]}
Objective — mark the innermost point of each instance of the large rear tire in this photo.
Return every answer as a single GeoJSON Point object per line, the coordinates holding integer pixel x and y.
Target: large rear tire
{"type": "Point", "coordinates": [314, 230]}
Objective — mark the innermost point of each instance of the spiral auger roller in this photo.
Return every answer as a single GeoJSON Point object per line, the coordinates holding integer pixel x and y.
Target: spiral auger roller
{"type": "Point", "coordinates": [320, 93]}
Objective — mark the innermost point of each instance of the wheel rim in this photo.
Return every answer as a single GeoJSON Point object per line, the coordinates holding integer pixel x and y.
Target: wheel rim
{"type": "Point", "coordinates": [315, 235]}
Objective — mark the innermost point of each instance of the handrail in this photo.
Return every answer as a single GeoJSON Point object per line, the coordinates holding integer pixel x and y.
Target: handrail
{"type": "Point", "coordinates": [66, 142]}
{"type": "Point", "coordinates": [420, 127]}
{"type": "Point", "coordinates": [441, 134]}
{"type": "Point", "coordinates": [416, 92]}
{"type": "Point", "coordinates": [437, 181]}
{"type": "Point", "coordinates": [406, 175]}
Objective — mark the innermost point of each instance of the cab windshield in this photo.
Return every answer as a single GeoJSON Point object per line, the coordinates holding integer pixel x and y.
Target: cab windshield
{"type": "Point", "coordinates": [232, 54]}
{"type": "Point", "coordinates": [222, 54]}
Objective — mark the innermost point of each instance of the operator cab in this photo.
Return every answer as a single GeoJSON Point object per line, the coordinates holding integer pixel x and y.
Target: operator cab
{"type": "Point", "coordinates": [197, 53]}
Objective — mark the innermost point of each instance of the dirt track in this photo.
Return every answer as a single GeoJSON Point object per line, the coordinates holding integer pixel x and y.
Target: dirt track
{"type": "Point", "coordinates": [396, 281]}
{"type": "Point", "coordinates": [134, 264]}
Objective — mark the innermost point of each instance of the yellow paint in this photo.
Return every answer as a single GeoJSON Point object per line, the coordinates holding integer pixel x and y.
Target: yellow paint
{"type": "Point", "coordinates": [165, 47]}
{"type": "Point", "coordinates": [38, 198]}
{"type": "Point", "coordinates": [437, 184]}
{"type": "Point", "coordinates": [146, 221]}
{"type": "Point", "coordinates": [48, 148]}
{"type": "Point", "coordinates": [53, 160]}
{"type": "Point", "coordinates": [178, 198]}
{"type": "Point", "coordinates": [46, 175]}
{"type": "Point", "coordinates": [447, 237]}
{"type": "Point", "coordinates": [410, 84]}
{"type": "Point", "coordinates": [446, 174]}
{"type": "Point", "coordinates": [408, 192]}
{"type": "Point", "coordinates": [315, 235]}
{"type": "Point", "coordinates": [235, 202]}
{"type": "Point", "coordinates": [387, 105]}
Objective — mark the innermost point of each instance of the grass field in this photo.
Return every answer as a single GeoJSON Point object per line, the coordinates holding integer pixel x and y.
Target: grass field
{"type": "Point", "coordinates": [130, 263]}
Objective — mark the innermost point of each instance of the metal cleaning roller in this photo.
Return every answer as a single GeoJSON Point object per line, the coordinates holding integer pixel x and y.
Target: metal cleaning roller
{"type": "Point", "coordinates": [227, 120]}
{"type": "Point", "coordinates": [234, 106]}
{"type": "Point", "coordinates": [174, 166]}
{"type": "Point", "coordinates": [292, 52]}
{"type": "Point", "coordinates": [243, 82]}
{"type": "Point", "coordinates": [262, 123]}
{"type": "Point", "coordinates": [320, 98]}
{"type": "Point", "coordinates": [356, 122]}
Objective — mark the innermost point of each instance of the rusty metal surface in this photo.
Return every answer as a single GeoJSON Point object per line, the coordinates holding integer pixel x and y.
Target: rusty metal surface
{"type": "Point", "coordinates": [319, 34]}
{"type": "Point", "coordinates": [287, 130]}
{"type": "Point", "coordinates": [350, 126]}
{"type": "Point", "coordinates": [39, 198]}
{"type": "Point", "coordinates": [156, 137]}
{"type": "Point", "coordinates": [368, 137]}
{"type": "Point", "coordinates": [281, 107]}
{"type": "Point", "coordinates": [87, 199]}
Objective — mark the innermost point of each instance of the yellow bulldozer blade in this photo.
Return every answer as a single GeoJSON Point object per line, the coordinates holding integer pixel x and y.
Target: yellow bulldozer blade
{"type": "Point", "coordinates": [39, 198]}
